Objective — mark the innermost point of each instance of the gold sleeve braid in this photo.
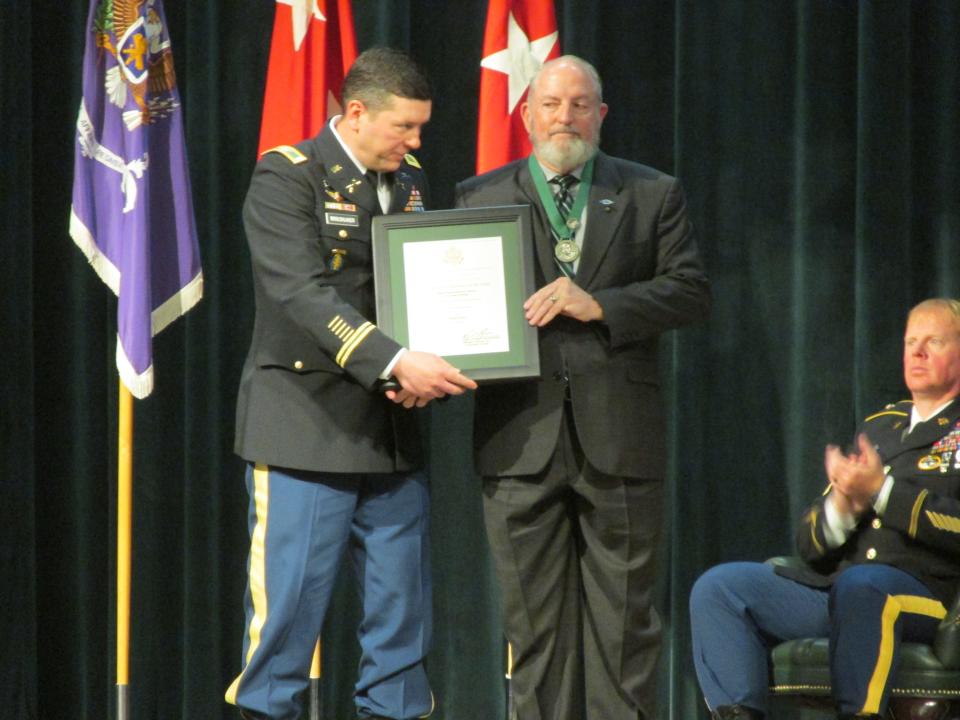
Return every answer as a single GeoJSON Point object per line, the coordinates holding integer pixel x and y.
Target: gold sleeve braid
{"type": "Point", "coordinates": [349, 337]}
{"type": "Point", "coordinates": [948, 523]}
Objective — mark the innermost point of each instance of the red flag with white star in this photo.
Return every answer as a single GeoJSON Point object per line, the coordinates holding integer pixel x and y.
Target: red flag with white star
{"type": "Point", "coordinates": [520, 36]}
{"type": "Point", "coordinates": [312, 48]}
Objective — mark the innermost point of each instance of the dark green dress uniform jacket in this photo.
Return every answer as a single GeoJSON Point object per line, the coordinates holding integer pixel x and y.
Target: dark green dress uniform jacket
{"type": "Point", "coordinates": [640, 261]}
{"type": "Point", "coordinates": [308, 396]}
{"type": "Point", "coordinates": [919, 531]}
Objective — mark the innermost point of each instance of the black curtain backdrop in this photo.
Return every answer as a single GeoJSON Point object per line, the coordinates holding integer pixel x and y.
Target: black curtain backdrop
{"type": "Point", "coordinates": [818, 142]}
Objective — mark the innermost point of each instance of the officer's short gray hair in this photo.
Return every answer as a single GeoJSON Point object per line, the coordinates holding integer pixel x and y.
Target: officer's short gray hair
{"type": "Point", "coordinates": [587, 68]}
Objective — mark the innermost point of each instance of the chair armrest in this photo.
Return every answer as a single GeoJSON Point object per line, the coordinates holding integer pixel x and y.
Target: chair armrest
{"type": "Point", "coordinates": [946, 644]}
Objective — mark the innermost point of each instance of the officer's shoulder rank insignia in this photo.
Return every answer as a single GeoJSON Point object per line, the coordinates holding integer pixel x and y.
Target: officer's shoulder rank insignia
{"type": "Point", "coordinates": [289, 152]}
{"type": "Point", "coordinates": [412, 161]}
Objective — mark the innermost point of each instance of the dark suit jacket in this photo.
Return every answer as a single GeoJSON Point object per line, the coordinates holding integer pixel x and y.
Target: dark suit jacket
{"type": "Point", "coordinates": [640, 262]}
{"type": "Point", "coordinates": [308, 396]}
{"type": "Point", "coordinates": [919, 532]}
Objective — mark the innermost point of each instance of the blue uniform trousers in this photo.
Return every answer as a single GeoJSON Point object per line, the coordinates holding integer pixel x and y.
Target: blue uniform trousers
{"type": "Point", "coordinates": [738, 611]}
{"type": "Point", "coordinates": [301, 524]}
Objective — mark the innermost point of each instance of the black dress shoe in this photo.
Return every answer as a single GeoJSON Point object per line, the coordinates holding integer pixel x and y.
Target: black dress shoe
{"type": "Point", "coordinates": [736, 712]}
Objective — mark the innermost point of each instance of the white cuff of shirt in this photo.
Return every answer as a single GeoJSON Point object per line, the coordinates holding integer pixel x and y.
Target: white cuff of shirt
{"type": "Point", "coordinates": [388, 370]}
{"type": "Point", "coordinates": [837, 525]}
{"type": "Point", "coordinates": [880, 504]}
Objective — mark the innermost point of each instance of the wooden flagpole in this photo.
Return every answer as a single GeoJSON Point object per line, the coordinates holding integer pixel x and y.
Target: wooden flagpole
{"type": "Point", "coordinates": [124, 524]}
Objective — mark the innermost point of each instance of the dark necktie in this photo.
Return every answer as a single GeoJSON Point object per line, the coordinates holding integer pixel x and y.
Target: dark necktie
{"type": "Point", "coordinates": [564, 200]}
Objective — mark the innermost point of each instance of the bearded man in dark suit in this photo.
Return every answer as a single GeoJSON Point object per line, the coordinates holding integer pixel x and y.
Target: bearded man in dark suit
{"type": "Point", "coordinates": [573, 464]}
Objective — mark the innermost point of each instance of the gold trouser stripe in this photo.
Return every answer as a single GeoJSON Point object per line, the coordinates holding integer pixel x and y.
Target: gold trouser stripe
{"type": "Point", "coordinates": [351, 344]}
{"type": "Point", "coordinates": [315, 662]}
{"type": "Point", "coordinates": [892, 608]}
{"type": "Point", "coordinates": [433, 706]}
{"type": "Point", "coordinates": [915, 513]}
{"type": "Point", "coordinates": [258, 570]}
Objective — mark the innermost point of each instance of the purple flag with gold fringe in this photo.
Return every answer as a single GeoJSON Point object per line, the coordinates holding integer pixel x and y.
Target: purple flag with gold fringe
{"type": "Point", "coordinates": [132, 213]}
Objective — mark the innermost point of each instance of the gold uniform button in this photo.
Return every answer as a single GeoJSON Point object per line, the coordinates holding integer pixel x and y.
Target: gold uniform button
{"type": "Point", "coordinates": [298, 364]}
{"type": "Point", "coordinates": [343, 233]}
{"type": "Point", "coordinates": [876, 524]}
{"type": "Point", "coordinates": [871, 553]}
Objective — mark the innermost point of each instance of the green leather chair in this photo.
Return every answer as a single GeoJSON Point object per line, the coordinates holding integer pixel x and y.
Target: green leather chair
{"type": "Point", "coordinates": [927, 685]}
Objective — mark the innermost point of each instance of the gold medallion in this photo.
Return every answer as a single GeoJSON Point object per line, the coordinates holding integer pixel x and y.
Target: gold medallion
{"type": "Point", "coordinates": [566, 251]}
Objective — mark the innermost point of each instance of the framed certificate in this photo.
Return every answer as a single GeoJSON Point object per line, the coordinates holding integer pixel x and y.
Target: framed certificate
{"type": "Point", "coordinates": [453, 282]}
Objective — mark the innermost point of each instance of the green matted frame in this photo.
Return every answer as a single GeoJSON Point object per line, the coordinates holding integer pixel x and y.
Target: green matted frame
{"type": "Point", "coordinates": [511, 223]}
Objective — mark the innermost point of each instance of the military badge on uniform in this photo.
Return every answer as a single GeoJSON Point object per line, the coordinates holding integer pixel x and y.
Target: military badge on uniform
{"type": "Point", "coordinates": [946, 461]}
{"type": "Point", "coordinates": [337, 257]}
{"type": "Point", "coordinates": [929, 462]}
{"type": "Point", "coordinates": [949, 442]}
{"type": "Point", "coordinates": [414, 202]}
{"type": "Point", "coordinates": [333, 194]}
{"type": "Point", "coordinates": [336, 168]}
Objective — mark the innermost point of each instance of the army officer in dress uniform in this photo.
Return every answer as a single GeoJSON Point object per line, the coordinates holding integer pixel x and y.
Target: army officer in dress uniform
{"type": "Point", "coordinates": [882, 548]}
{"type": "Point", "coordinates": [333, 460]}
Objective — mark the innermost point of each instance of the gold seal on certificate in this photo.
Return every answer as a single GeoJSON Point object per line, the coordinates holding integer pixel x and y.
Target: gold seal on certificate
{"type": "Point", "coordinates": [566, 251]}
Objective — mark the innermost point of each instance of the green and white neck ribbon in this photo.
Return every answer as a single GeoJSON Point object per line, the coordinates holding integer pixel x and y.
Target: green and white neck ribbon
{"type": "Point", "coordinates": [563, 228]}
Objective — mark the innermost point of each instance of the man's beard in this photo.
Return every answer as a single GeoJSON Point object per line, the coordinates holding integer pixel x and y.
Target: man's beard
{"type": "Point", "coordinates": [565, 157]}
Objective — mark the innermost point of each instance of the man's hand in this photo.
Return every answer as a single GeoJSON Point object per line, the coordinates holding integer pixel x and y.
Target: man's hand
{"type": "Point", "coordinates": [424, 377]}
{"type": "Point", "coordinates": [406, 398]}
{"type": "Point", "coordinates": [561, 297]}
{"type": "Point", "coordinates": [855, 478]}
